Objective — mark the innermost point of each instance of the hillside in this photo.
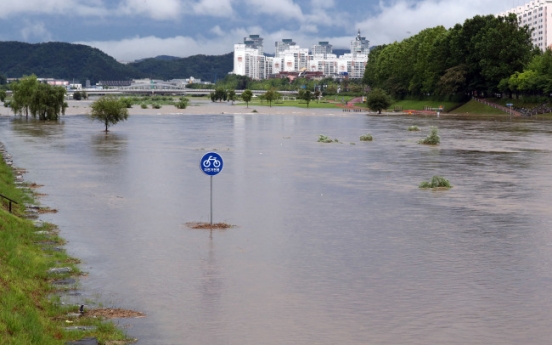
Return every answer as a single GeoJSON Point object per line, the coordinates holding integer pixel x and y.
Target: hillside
{"type": "Point", "coordinates": [204, 67]}
{"type": "Point", "coordinates": [62, 61]}
{"type": "Point", "coordinates": [79, 62]}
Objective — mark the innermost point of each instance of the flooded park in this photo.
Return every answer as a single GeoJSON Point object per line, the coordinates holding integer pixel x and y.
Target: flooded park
{"type": "Point", "coordinates": [332, 243]}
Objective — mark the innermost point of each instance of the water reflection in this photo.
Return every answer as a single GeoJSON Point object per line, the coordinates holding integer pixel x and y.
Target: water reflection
{"type": "Point", "coordinates": [109, 144]}
{"type": "Point", "coordinates": [36, 128]}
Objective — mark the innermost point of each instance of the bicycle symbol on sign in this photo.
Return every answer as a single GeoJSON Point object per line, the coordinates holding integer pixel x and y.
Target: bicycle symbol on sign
{"type": "Point", "coordinates": [207, 162]}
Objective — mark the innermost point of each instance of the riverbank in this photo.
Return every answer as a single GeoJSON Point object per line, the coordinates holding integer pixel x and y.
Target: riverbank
{"type": "Point", "coordinates": [35, 272]}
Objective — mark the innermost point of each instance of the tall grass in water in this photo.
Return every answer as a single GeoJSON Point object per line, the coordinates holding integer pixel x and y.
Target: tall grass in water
{"type": "Point", "coordinates": [433, 138]}
{"type": "Point", "coordinates": [436, 182]}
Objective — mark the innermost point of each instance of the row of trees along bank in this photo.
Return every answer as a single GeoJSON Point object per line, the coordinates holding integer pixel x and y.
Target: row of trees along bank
{"type": "Point", "coordinates": [46, 102]}
{"type": "Point", "coordinates": [476, 58]}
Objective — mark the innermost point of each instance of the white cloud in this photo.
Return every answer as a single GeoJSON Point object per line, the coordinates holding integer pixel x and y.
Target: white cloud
{"type": "Point", "coordinates": [217, 31]}
{"type": "Point", "coordinates": [322, 3]}
{"type": "Point", "coordinates": [74, 7]}
{"type": "Point", "coordinates": [286, 9]}
{"type": "Point", "coordinates": [215, 8]}
{"type": "Point", "coordinates": [145, 47]}
{"type": "Point", "coordinates": [156, 9]}
{"type": "Point", "coordinates": [405, 18]}
{"type": "Point", "coordinates": [35, 30]}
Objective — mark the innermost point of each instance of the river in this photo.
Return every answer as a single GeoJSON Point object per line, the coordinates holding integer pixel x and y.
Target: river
{"type": "Point", "coordinates": [332, 244]}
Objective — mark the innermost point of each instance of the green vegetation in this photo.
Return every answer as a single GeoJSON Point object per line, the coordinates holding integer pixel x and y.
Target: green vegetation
{"type": "Point", "coordinates": [474, 107]}
{"type": "Point", "coordinates": [29, 315]}
{"type": "Point", "coordinates": [436, 182]}
{"type": "Point", "coordinates": [247, 95]}
{"type": "Point", "coordinates": [40, 100]}
{"type": "Point", "coordinates": [109, 110]}
{"type": "Point", "coordinates": [409, 104]}
{"type": "Point", "coordinates": [306, 96]}
{"type": "Point", "coordinates": [413, 128]}
{"type": "Point", "coordinates": [182, 103]}
{"type": "Point", "coordinates": [455, 63]}
{"type": "Point", "coordinates": [271, 96]}
{"type": "Point", "coordinates": [366, 137]}
{"type": "Point", "coordinates": [156, 106]}
{"type": "Point", "coordinates": [378, 100]}
{"type": "Point", "coordinates": [325, 139]}
{"type": "Point", "coordinates": [144, 106]}
{"type": "Point", "coordinates": [433, 138]}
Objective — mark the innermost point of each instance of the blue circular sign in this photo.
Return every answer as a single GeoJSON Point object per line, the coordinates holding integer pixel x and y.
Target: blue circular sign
{"type": "Point", "coordinates": [211, 163]}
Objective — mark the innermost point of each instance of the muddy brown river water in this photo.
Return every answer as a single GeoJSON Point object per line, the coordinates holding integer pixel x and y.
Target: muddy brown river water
{"type": "Point", "coordinates": [333, 244]}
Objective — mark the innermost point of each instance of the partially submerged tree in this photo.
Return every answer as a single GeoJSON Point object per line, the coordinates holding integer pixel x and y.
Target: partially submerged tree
{"type": "Point", "coordinates": [378, 100]}
{"type": "Point", "coordinates": [247, 95]}
{"type": "Point", "coordinates": [47, 102]}
{"type": "Point", "coordinates": [231, 95]}
{"type": "Point", "coordinates": [306, 95]}
{"type": "Point", "coordinates": [22, 93]}
{"type": "Point", "coordinates": [2, 95]}
{"type": "Point", "coordinates": [271, 95]}
{"type": "Point", "coordinates": [108, 110]}
{"type": "Point", "coordinates": [182, 103]}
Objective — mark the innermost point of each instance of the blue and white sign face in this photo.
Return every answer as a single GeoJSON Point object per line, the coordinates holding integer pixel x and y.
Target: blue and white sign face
{"type": "Point", "coordinates": [211, 163]}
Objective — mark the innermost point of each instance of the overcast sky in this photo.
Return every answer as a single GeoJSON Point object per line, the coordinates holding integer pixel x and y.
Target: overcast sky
{"type": "Point", "coordinates": [134, 29]}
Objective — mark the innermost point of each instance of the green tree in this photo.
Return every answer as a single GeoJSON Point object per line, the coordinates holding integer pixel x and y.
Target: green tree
{"type": "Point", "coordinates": [77, 96]}
{"type": "Point", "coordinates": [247, 95]}
{"type": "Point", "coordinates": [231, 95]}
{"type": "Point", "coordinates": [2, 95]}
{"type": "Point", "coordinates": [271, 95]}
{"type": "Point", "coordinates": [22, 94]}
{"type": "Point", "coordinates": [307, 96]}
{"type": "Point", "coordinates": [109, 110]}
{"type": "Point", "coordinates": [47, 102]}
{"type": "Point", "coordinates": [220, 94]}
{"type": "Point", "coordinates": [378, 100]}
{"type": "Point", "coordinates": [3, 79]}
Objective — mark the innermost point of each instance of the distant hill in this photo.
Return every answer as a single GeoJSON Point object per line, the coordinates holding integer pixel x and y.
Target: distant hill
{"type": "Point", "coordinates": [79, 62]}
{"type": "Point", "coordinates": [62, 61]}
{"type": "Point", "coordinates": [204, 67]}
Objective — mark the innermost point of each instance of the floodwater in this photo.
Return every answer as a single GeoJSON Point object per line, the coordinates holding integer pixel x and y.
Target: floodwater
{"type": "Point", "coordinates": [333, 244]}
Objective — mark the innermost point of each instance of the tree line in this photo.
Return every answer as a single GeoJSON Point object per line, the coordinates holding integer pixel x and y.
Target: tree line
{"type": "Point", "coordinates": [483, 56]}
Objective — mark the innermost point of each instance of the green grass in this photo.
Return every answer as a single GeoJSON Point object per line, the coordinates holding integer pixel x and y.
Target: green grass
{"type": "Point", "coordinates": [476, 108]}
{"type": "Point", "coordinates": [414, 128]}
{"type": "Point", "coordinates": [420, 105]}
{"type": "Point", "coordinates": [297, 104]}
{"type": "Point", "coordinates": [28, 313]}
{"type": "Point", "coordinates": [436, 182]}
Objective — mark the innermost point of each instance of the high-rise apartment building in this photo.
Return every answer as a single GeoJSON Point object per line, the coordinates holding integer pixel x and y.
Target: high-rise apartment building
{"type": "Point", "coordinates": [254, 42]}
{"type": "Point", "coordinates": [283, 45]}
{"type": "Point", "coordinates": [249, 59]}
{"type": "Point", "coordinates": [322, 49]}
{"type": "Point", "coordinates": [535, 14]}
{"type": "Point", "coordinates": [360, 46]}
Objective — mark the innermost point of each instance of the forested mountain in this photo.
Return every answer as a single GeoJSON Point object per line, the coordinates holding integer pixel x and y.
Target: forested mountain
{"type": "Point", "coordinates": [79, 62]}
{"type": "Point", "coordinates": [204, 67]}
{"type": "Point", "coordinates": [62, 61]}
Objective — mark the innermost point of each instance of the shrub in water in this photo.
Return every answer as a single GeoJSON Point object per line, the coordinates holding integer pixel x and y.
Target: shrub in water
{"type": "Point", "coordinates": [436, 182]}
{"type": "Point", "coordinates": [182, 103]}
{"type": "Point", "coordinates": [366, 137]}
{"type": "Point", "coordinates": [144, 106]}
{"type": "Point", "coordinates": [156, 106]}
{"type": "Point", "coordinates": [433, 138]}
{"type": "Point", "coordinates": [324, 139]}
{"type": "Point", "coordinates": [413, 128]}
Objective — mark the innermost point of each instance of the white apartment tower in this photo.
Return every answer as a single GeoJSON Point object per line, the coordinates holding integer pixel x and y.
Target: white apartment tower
{"type": "Point", "coordinates": [535, 15]}
{"type": "Point", "coordinates": [322, 49]}
{"type": "Point", "coordinates": [250, 61]}
{"type": "Point", "coordinates": [360, 46]}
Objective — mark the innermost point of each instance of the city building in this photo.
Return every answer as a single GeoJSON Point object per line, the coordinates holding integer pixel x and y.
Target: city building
{"type": "Point", "coordinates": [290, 59]}
{"type": "Point", "coordinates": [534, 14]}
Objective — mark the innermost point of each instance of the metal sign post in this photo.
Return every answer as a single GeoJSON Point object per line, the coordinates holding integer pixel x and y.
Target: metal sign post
{"type": "Point", "coordinates": [211, 164]}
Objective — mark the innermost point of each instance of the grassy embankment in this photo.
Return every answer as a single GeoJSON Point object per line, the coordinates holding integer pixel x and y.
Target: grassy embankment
{"type": "Point", "coordinates": [30, 311]}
